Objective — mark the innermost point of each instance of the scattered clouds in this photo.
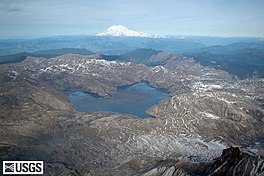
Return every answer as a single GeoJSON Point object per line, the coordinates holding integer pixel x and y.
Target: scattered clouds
{"type": "Point", "coordinates": [14, 9]}
{"type": "Point", "coordinates": [218, 17]}
{"type": "Point", "coordinates": [8, 7]}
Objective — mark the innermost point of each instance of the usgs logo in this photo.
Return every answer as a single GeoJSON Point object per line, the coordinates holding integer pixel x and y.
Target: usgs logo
{"type": "Point", "coordinates": [23, 167]}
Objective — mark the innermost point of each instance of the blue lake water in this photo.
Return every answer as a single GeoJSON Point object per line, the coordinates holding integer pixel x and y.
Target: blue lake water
{"type": "Point", "coordinates": [134, 99]}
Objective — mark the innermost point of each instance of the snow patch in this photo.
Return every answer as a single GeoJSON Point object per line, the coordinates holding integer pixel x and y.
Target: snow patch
{"type": "Point", "coordinates": [157, 69]}
{"type": "Point", "coordinates": [201, 87]}
{"type": "Point", "coordinates": [120, 30]}
{"type": "Point", "coordinates": [209, 115]}
{"type": "Point", "coordinates": [166, 145]}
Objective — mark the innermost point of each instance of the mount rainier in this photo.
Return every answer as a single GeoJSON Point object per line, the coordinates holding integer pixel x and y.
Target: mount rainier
{"type": "Point", "coordinates": [120, 30]}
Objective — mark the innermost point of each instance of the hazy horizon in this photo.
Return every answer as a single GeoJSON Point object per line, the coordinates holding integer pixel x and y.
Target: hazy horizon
{"type": "Point", "coordinates": [221, 18]}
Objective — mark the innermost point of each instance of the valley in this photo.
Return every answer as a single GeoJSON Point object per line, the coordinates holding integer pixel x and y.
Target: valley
{"type": "Point", "coordinates": [206, 111]}
{"type": "Point", "coordinates": [132, 88]}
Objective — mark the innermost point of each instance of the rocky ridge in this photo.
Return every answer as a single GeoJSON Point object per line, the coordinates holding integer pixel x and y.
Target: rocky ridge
{"type": "Point", "coordinates": [233, 161]}
{"type": "Point", "coordinates": [207, 111]}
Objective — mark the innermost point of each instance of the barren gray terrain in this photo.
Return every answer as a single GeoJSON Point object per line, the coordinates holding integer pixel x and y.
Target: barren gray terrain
{"type": "Point", "coordinates": [207, 111]}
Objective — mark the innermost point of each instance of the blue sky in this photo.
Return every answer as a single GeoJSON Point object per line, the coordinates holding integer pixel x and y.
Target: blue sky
{"type": "Point", "coordinates": [37, 18]}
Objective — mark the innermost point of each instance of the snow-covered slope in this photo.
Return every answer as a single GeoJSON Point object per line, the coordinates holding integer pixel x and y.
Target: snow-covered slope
{"type": "Point", "coordinates": [120, 30]}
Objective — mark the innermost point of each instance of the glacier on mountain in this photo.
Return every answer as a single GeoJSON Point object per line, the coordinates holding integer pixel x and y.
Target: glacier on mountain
{"type": "Point", "coordinates": [120, 30]}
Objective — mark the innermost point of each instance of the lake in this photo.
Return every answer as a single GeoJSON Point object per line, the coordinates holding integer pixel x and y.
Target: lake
{"type": "Point", "coordinates": [133, 99]}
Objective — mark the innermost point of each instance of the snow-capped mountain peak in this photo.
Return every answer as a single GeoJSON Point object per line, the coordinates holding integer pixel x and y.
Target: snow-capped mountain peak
{"type": "Point", "coordinates": [120, 30]}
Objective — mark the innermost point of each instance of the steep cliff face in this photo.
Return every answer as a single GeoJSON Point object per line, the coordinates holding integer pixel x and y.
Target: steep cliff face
{"type": "Point", "coordinates": [233, 161]}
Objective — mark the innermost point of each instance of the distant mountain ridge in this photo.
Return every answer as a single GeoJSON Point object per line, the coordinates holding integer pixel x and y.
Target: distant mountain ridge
{"type": "Point", "coordinates": [102, 44]}
{"type": "Point", "coordinates": [15, 58]}
{"type": "Point", "coordinates": [120, 30]}
{"type": "Point", "coordinates": [230, 48]}
{"type": "Point", "coordinates": [241, 59]}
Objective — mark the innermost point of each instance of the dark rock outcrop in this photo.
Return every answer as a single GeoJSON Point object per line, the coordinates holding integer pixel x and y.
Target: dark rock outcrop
{"type": "Point", "coordinates": [233, 161]}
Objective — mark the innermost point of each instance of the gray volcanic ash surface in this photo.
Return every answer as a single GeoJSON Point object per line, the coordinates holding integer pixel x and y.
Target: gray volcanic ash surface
{"type": "Point", "coordinates": [207, 111]}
